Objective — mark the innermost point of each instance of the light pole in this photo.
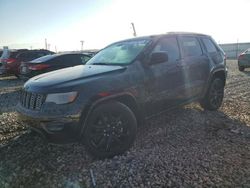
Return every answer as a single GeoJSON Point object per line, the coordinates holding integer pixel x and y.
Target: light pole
{"type": "Point", "coordinates": [82, 41]}
{"type": "Point", "coordinates": [46, 46]}
{"type": "Point", "coordinates": [133, 26]}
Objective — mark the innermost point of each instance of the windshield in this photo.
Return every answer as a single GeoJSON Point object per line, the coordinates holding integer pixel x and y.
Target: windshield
{"type": "Point", "coordinates": [119, 53]}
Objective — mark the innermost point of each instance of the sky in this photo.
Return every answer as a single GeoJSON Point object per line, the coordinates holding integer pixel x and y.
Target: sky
{"type": "Point", "coordinates": [64, 23]}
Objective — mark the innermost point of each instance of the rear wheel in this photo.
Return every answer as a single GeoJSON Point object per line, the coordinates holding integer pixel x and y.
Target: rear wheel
{"type": "Point", "coordinates": [241, 68]}
{"type": "Point", "coordinates": [110, 130]}
{"type": "Point", "coordinates": [214, 96]}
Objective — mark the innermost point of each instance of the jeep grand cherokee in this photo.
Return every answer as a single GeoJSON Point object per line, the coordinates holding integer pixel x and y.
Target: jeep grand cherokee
{"type": "Point", "coordinates": [101, 103]}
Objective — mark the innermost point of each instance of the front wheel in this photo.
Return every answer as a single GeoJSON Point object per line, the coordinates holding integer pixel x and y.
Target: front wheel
{"type": "Point", "coordinates": [110, 130]}
{"type": "Point", "coordinates": [214, 96]}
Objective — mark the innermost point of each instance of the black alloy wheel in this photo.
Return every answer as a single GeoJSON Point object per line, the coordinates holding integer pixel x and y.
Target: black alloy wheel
{"type": "Point", "coordinates": [214, 96]}
{"type": "Point", "coordinates": [111, 130]}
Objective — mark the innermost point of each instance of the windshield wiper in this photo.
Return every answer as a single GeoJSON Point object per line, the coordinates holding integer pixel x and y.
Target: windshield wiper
{"type": "Point", "coordinates": [100, 63]}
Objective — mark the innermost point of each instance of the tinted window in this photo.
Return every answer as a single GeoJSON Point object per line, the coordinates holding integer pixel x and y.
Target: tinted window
{"type": "Point", "coordinates": [39, 54]}
{"type": "Point", "coordinates": [70, 59]}
{"type": "Point", "coordinates": [190, 46]}
{"type": "Point", "coordinates": [14, 54]}
{"type": "Point", "coordinates": [28, 55]}
{"type": "Point", "coordinates": [209, 45]}
{"type": "Point", "coordinates": [170, 46]}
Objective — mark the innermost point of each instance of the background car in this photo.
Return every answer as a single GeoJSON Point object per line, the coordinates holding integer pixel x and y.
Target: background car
{"type": "Point", "coordinates": [52, 62]}
{"type": "Point", "coordinates": [244, 60]}
{"type": "Point", "coordinates": [11, 63]}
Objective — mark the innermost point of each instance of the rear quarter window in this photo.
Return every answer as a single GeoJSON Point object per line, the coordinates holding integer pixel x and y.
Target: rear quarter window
{"type": "Point", "coordinates": [211, 48]}
{"type": "Point", "coordinates": [190, 46]}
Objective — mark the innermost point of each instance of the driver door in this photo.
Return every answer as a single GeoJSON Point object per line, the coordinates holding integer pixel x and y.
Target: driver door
{"type": "Point", "coordinates": [163, 81]}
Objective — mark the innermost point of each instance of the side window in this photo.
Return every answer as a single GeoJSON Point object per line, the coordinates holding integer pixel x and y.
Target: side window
{"type": "Point", "coordinates": [209, 45]}
{"type": "Point", "coordinates": [84, 59]}
{"type": "Point", "coordinates": [71, 60]}
{"type": "Point", "coordinates": [169, 45]}
{"type": "Point", "coordinates": [32, 55]}
{"type": "Point", "coordinates": [40, 54]}
{"type": "Point", "coordinates": [76, 60]}
{"type": "Point", "coordinates": [22, 56]}
{"type": "Point", "coordinates": [57, 60]}
{"type": "Point", "coordinates": [190, 46]}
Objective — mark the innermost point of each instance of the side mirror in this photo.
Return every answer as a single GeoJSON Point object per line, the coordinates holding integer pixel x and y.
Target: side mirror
{"type": "Point", "coordinates": [158, 57]}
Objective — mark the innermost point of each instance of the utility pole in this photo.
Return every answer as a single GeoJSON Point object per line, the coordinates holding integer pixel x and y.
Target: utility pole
{"type": "Point", "coordinates": [133, 26]}
{"type": "Point", "coordinates": [237, 48]}
{"type": "Point", "coordinates": [46, 44]}
{"type": "Point", "coordinates": [82, 41]}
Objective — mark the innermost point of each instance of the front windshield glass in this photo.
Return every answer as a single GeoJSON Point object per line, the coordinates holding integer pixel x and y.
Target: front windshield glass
{"type": "Point", "coordinates": [119, 53]}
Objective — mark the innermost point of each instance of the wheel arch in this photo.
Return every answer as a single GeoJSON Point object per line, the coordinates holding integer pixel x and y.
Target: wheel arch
{"type": "Point", "coordinates": [125, 98]}
{"type": "Point", "coordinates": [219, 73]}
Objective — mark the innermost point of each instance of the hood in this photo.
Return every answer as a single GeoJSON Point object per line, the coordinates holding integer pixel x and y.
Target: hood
{"type": "Point", "coordinates": [72, 74]}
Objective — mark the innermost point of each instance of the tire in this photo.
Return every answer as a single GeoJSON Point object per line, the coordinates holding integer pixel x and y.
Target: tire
{"type": "Point", "coordinates": [110, 130]}
{"type": "Point", "coordinates": [214, 96]}
{"type": "Point", "coordinates": [241, 68]}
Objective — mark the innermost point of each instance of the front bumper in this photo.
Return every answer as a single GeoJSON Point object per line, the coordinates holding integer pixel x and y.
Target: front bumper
{"type": "Point", "coordinates": [55, 128]}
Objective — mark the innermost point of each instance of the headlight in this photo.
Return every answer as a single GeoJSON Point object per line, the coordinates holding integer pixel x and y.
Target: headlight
{"type": "Point", "coordinates": [61, 98]}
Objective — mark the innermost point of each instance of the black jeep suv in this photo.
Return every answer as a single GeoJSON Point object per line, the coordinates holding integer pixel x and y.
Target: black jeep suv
{"type": "Point", "coordinates": [101, 103]}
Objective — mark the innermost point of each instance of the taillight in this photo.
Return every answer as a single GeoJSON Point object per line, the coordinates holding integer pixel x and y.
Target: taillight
{"type": "Point", "coordinates": [38, 67]}
{"type": "Point", "coordinates": [241, 56]}
{"type": "Point", "coordinates": [10, 60]}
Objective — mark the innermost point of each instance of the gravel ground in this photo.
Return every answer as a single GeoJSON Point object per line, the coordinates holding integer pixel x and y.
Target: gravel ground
{"type": "Point", "coordinates": [187, 147]}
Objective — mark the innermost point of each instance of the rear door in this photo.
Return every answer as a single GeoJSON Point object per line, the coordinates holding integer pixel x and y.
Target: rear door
{"type": "Point", "coordinates": [194, 66]}
{"type": "Point", "coordinates": [163, 80]}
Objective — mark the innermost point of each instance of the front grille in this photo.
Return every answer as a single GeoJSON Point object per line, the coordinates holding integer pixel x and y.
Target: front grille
{"type": "Point", "coordinates": [32, 101]}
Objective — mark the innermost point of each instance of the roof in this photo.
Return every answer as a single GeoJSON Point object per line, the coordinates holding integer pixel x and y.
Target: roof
{"type": "Point", "coordinates": [185, 33]}
{"type": "Point", "coordinates": [162, 35]}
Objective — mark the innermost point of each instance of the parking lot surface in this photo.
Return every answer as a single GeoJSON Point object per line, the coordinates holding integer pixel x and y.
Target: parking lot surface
{"type": "Point", "coordinates": [186, 147]}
